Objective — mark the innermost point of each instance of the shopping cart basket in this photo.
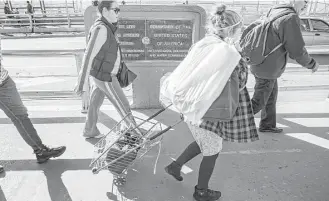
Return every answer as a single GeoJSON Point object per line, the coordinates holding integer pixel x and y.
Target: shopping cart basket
{"type": "Point", "coordinates": [120, 149]}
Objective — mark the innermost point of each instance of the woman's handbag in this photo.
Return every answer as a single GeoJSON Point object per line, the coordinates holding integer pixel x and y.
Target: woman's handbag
{"type": "Point", "coordinates": [125, 76]}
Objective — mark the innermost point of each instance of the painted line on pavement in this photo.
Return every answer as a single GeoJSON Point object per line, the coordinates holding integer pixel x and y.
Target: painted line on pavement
{"type": "Point", "coordinates": [38, 67]}
{"type": "Point", "coordinates": [254, 152]}
{"type": "Point", "coordinates": [185, 169]}
{"type": "Point", "coordinates": [313, 139]}
{"type": "Point", "coordinates": [58, 108]}
{"type": "Point", "coordinates": [41, 82]}
{"type": "Point", "coordinates": [311, 122]}
{"type": "Point", "coordinates": [106, 109]}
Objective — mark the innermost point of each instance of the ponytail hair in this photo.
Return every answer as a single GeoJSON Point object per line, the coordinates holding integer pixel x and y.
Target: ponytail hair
{"type": "Point", "coordinates": [101, 4]}
{"type": "Point", "coordinates": [223, 22]}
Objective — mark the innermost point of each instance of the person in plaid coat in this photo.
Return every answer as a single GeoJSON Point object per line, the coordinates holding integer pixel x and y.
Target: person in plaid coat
{"type": "Point", "coordinates": [209, 134]}
{"type": "Point", "coordinates": [242, 128]}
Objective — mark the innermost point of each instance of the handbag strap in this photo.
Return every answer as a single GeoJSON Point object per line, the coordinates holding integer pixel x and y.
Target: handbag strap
{"type": "Point", "coordinates": [121, 58]}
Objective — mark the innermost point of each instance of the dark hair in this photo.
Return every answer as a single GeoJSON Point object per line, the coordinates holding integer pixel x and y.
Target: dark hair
{"type": "Point", "coordinates": [103, 4]}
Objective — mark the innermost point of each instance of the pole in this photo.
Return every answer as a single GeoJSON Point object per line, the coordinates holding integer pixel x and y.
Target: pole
{"type": "Point", "coordinates": [68, 15]}
{"type": "Point", "coordinates": [315, 6]}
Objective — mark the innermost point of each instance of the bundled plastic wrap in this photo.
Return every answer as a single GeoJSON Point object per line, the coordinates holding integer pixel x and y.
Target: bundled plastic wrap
{"type": "Point", "coordinates": [200, 78]}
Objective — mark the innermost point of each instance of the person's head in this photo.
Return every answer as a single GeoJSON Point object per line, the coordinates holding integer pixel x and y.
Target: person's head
{"type": "Point", "coordinates": [224, 23]}
{"type": "Point", "coordinates": [109, 10]}
{"type": "Point", "coordinates": [299, 5]}
{"type": "Point", "coordinates": [28, 2]}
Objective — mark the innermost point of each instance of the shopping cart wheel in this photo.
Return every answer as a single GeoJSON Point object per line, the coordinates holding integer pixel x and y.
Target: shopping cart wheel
{"type": "Point", "coordinates": [120, 181]}
{"type": "Point", "coordinates": [100, 151]}
{"type": "Point", "coordinates": [94, 170]}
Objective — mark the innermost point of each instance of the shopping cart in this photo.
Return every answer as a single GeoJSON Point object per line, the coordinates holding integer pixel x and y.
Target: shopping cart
{"type": "Point", "coordinates": [121, 148]}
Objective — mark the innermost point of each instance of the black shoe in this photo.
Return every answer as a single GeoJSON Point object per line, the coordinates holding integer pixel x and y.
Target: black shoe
{"type": "Point", "coordinates": [270, 130]}
{"type": "Point", "coordinates": [43, 155]}
{"type": "Point", "coordinates": [1, 169]}
{"type": "Point", "coordinates": [174, 170]}
{"type": "Point", "coordinates": [206, 194]}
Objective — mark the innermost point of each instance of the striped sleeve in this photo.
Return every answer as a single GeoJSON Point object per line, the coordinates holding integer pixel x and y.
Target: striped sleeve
{"type": "Point", "coordinates": [96, 41]}
{"type": "Point", "coordinates": [3, 72]}
{"type": "Point", "coordinates": [0, 49]}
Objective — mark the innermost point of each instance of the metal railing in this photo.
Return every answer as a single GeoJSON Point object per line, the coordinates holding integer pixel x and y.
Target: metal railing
{"type": "Point", "coordinates": [25, 23]}
{"type": "Point", "coordinates": [74, 22]}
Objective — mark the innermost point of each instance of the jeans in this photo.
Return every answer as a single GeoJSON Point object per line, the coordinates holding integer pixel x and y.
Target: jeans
{"type": "Point", "coordinates": [114, 93]}
{"type": "Point", "coordinates": [12, 105]}
{"type": "Point", "coordinates": [264, 98]}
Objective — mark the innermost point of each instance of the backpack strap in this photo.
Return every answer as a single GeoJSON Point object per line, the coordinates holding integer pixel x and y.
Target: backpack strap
{"type": "Point", "coordinates": [270, 22]}
{"type": "Point", "coordinates": [281, 15]}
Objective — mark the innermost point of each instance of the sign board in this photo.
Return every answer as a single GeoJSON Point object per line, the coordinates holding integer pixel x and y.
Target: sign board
{"type": "Point", "coordinates": [149, 34]}
{"type": "Point", "coordinates": [155, 39]}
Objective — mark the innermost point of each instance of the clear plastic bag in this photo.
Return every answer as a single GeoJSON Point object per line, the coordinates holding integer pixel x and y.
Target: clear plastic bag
{"type": "Point", "coordinates": [201, 77]}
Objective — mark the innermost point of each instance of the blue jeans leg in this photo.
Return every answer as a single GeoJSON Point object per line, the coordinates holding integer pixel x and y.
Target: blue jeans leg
{"type": "Point", "coordinates": [12, 105]}
{"type": "Point", "coordinates": [264, 99]}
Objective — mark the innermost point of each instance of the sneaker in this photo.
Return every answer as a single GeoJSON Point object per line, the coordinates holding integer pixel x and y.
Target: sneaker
{"type": "Point", "coordinates": [270, 130]}
{"type": "Point", "coordinates": [206, 194]}
{"type": "Point", "coordinates": [1, 169]}
{"type": "Point", "coordinates": [174, 170]}
{"type": "Point", "coordinates": [43, 155]}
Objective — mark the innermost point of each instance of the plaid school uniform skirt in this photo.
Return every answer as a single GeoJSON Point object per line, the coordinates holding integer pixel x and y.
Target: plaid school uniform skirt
{"type": "Point", "coordinates": [242, 128]}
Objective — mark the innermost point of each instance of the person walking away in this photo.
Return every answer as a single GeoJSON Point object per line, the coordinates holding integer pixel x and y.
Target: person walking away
{"type": "Point", "coordinates": [285, 30]}
{"type": "Point", "coordinates": [224, 25]}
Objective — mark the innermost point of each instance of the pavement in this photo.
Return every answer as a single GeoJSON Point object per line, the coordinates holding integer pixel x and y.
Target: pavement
{"type": "Point", "coordinates": [292, 166]}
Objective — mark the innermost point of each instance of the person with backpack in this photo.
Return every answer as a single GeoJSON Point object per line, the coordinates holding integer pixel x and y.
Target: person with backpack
{"type": "Point", "coordinates": [101, 64]}
{"type": "Point", "coordinates": [224, 27]}
{"type": "Point", "coordinates": [267, 44]}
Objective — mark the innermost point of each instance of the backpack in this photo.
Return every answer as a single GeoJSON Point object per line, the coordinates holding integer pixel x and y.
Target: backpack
{"type": "Point", "coordinates": [254, 38]}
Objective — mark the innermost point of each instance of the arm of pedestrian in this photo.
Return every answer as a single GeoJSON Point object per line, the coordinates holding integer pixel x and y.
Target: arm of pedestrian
{"type": "Point", "coordinates": [97, 40]}
{"type": "Point", "coordinates": [294, 43]}
{"type": "Point", "coordinates": [316, 67]}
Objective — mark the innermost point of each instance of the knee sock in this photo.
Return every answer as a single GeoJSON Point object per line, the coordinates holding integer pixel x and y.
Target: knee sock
{"type": "Point", "coordinates": [206, 169]}
{"type": "Point", "coordinates": [190, 152]}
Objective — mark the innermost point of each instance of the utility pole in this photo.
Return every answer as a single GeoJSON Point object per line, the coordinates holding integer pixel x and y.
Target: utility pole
{"type": "Point", "coordinates": [43, 7]}
{"type": "Point", "coordinates": [315, 2]}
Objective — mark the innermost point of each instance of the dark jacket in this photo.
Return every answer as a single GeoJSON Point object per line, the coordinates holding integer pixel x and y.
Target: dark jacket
{"type": "Point", "coordinates": [29, 8]}
{"type": "Point", "coordinates": [285, 29]}
{"type": "Point", "coordinates": [7, 10]}
{"type": "Point", "coordinates": [103, 63]}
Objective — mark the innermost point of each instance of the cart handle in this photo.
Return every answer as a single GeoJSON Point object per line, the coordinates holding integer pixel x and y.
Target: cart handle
{"type": "Point", "coordinates": [165, 130]}
{"type": "Point", "coordinates": [160, 111]}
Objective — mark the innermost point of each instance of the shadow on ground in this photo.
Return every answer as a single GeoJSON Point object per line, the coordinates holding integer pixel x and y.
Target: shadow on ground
{"type": "Point", "coordinates": [142, 184]}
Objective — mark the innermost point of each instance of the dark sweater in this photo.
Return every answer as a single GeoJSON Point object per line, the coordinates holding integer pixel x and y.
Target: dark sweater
{"type": "Point", "coordinates": [285, 29]}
